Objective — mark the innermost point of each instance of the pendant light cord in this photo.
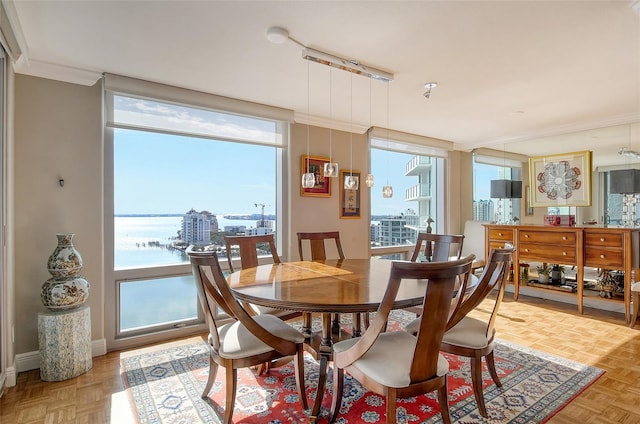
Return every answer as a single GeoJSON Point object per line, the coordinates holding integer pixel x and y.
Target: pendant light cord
{"type": "Point", "coordinates": [387, 132]}
{"type": "Point", "coordinates": [308, 110]}
{"type": "Point", "coordinates": [330, 113]}
{"type": "Point", "coordinates": [351, 128]}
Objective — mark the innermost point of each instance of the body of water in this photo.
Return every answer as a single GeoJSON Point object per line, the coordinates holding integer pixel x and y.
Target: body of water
{"type": "Point", "coordinates": [143, 241]}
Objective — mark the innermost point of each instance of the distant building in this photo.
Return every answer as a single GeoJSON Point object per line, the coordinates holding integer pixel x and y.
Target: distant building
{"type": "Point", "coordinates": [265, 223]}
{"type": "Point", "coordinates": [422, 194]}
{"type": "Point", "coordinates": [235, 229]}
{"type": "Point", "coordinates": [483, 210]}
{"type": "Point", "coordinates": [374, 234]}
{"type": "Point", "coordinates": [397, 231]}
{"type": "Point", "coordinates": [258, 231]}
{"type": "Point", "coordinates": [198, 226]}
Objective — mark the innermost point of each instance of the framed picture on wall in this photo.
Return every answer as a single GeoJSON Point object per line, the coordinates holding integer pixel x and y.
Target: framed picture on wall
{"type": "Point", "coordinates": [315, 165]}
{"type": "Point", "coordinates": [560, 180]}
{"type": "Point", "coordinates": [349, 199]}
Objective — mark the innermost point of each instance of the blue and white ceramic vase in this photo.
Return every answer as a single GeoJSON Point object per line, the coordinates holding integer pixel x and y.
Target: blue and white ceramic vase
{"type": "Point", "coordinates": [66, 290]}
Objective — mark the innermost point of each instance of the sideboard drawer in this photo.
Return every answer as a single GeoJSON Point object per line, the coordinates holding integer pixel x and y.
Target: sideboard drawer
{"type": "Point", "coordinates": [603, 239]}
{"type": "Point", "coordinates": [610, 258]}
{"type": "Point", "coordinates": [497, 244]}
{"type": "Point", "coordinates": [553, 253]}
{"type": "Point", "coordinates": [501, 234]}
{"type": "Point", "coordinates": [548, 237]}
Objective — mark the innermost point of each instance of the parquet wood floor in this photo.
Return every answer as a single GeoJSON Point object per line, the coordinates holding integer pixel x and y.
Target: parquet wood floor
{"type": "Point", "coordinates": [596, 338]}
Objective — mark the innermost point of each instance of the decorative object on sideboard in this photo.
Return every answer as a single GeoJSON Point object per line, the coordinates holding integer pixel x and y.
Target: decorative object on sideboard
{"type": "Point", "coordinates": [610, 283]}
{"type": "Point", "coordinates": [66, 289]}
{"type": "Point", "coordinates": [627, 183]}
{"type": "Point", "coordinates": [544, 274]}
{"type": "Point", "coordinates": [505, 189]}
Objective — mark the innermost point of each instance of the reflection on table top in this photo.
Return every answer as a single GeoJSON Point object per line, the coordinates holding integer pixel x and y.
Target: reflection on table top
{"type": "Point", "coordinates": [349, 285]}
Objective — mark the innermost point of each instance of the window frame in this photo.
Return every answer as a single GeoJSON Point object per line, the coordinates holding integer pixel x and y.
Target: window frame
{"type": "Point", "coordinates": [114, 278]}
{"type": "Point", "coordinates": [414, 145]}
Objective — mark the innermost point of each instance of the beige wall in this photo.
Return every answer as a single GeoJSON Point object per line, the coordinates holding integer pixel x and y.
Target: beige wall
{"type": "Point", "coordinates": [58, 134]}
{"type": "Point", "coordinates": [323, 213]}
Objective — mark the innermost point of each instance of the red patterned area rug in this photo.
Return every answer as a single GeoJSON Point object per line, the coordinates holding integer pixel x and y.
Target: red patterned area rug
{"type": "Point", "coordinates": [164, 384]}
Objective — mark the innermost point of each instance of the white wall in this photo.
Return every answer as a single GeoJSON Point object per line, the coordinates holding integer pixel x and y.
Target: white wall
{"type": "Point", "coordinates": [58, 134]}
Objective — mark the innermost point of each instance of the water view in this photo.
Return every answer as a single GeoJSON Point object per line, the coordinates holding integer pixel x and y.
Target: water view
{"type": "Point", "coordinates": [143, 241]}
{"type": "Point", "coordinates": [146, 241]}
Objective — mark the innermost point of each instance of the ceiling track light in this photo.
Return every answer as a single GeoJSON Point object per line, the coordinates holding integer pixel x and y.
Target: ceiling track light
{"type": "Point", "coordinates": [353, 66]}
{"type": "Point", "coordinates": [279, 35]}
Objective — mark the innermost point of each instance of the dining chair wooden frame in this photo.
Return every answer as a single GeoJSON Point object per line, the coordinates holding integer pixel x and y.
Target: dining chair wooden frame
{"type": "Point", "coordinates": [437, 247]}
{"type": "Point", "coordinates": [417, 366]}
{"type": "Point", "coordinates": [319, 253]}
{"type": "Point", "coordinates": [253, 340]}
{"type": "Point", "coordinates": [474, 338]}
{"type": "Point", "coordinates": [248, 246]}
{"type": "Point", "coordinates": [317, 244]}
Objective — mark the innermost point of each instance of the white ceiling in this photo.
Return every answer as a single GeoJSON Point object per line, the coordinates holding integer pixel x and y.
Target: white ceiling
{"type": "Point", "coordinates": [507, 71]}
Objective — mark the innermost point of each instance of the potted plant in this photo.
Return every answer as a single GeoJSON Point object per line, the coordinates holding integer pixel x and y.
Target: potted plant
{"type": "Point", "coordinates": [544, 273]}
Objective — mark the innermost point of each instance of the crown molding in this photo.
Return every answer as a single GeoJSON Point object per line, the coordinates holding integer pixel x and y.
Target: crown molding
{"type": "Point", "coordinates": [56, 72]}
{"type": "Point", "coordinates": [318, 121]}
{"type": "Point", "coordinates": [629, 118]}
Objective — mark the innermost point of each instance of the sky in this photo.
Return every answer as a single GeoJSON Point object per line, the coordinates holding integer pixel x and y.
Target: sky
{"type": "Point", "coordinates": [159, 173]}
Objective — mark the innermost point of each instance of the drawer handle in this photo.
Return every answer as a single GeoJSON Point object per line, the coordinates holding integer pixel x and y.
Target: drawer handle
{"type": "Point", "coordinates": [601, 238]}
{"type": "Point", "coordinates": [564, 237]}
{"type": "Point", "coordinates": [601, 256]}
{"type": "Point", "coordinates": [526, 250]}
{"type": "Point", "coordinates": [564, 253]}
{"type": "Point", "coordinates": [526, 236]}
{"type": "Point", "coordinates": [499, 234]}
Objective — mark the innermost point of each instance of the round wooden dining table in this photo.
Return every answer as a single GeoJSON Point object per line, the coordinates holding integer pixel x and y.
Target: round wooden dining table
{"type": "Point", "coordinates": [326, 287]}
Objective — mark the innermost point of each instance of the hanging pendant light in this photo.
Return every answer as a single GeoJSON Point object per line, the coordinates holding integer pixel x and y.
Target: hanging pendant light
{"type": "Point", "coordinates": [387, 190]}
{"type": "Point", "coordinates": [308, 178]}
{"type": "Point", "coordinates": [330, 168]}
{"type": "Point", "coordinates": [351, 182]}
{"type": "Point", "coordinates": [369, 178]}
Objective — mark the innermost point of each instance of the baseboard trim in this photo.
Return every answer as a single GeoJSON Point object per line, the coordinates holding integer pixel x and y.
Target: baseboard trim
{"type": "Point", "coordinates": [11, 377]}
{"type": "Point", "coordinates": [31, 360]}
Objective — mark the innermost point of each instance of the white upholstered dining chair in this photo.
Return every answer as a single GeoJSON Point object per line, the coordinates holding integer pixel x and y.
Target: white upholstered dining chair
{"type": "Point", "coordinates": [397, 364]}
{"type": "Point", "coordinates": [244, 341]}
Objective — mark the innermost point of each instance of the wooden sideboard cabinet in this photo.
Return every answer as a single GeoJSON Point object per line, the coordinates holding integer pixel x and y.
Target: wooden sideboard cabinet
{"type": "Point", "coordinates": [597, 247]}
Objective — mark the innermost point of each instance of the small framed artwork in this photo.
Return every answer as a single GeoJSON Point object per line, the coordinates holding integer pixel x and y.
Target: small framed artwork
{"type": "Point", "coordinates": [528, 210]}
{"type": "Point", "coordinates": [560, 180]}
{"type": "Point", "coordinates": [315, 165]}
{"type": "Point", "coordinates": [349, 199]}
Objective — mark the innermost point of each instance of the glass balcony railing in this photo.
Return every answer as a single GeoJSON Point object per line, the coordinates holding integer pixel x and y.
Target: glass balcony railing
{"type": "Point", "coordinates": [416, 163]}
{"type": "Point", "coordinates": [418, 191]}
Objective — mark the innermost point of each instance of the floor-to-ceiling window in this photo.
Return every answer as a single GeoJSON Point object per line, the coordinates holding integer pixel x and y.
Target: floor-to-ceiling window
{"type": "Point", "coordinates": [179, 174]}
{"type": "Point", "coordinates": [416, 175]}
{"type": "Point", "coordinates": [494, 165]}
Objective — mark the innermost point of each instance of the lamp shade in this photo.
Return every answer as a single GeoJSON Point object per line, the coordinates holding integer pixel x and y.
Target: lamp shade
{"type": "Point", "coordinates": [624, 181]}
{"type": "Point", "coordinates": [506, 189]}
{"type": "Point", "coordinates": [516, 189]}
